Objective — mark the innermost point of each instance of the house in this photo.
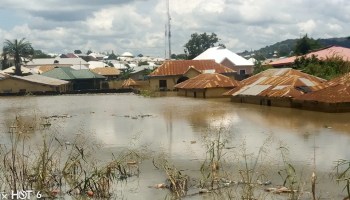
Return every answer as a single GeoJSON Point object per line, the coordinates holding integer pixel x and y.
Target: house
{"type": "Point", "coordinates": [11, 70]}
{"type": "Point", "coordinates": [56, 62]}
{"type": "Point", "coordinates": [206, 86]}
{"type": "Point", "coordinates": [140, 73]}
{"type": "Point", "coordinates": [321, 54]}
{"type": "Point", "coordinates": [223, 56]}
{"type": "Point", "coordinates": [173, 72]}
{"type": "Point", "coordinates": [36, 84]}
{"type": "Point", "coordinates": [80, 79]}
{"type": "Point", "coordinates": [110, 73]}
{"type": "Point", "coordinates": [334, 97]}
{"type": "Point", "coordinates": [275, 87]}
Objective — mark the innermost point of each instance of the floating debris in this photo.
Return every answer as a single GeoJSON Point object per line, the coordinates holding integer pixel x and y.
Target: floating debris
{"type": "Point", "coordinates": [193, 142]}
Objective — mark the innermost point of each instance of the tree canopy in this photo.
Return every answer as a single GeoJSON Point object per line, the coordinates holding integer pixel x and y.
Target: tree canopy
{"type": "Point", "coordinates": [329, 68]}
{"type": "Point", "coordinates": [20, 51]}
{"type": "Point", "coordinates": [305, 44]}
{"type": "Point", "coordinates": [199, 43]}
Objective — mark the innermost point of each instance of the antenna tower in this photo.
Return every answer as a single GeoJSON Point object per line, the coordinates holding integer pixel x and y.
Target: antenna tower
{"type": "Point", "coordinates": [168, 29]}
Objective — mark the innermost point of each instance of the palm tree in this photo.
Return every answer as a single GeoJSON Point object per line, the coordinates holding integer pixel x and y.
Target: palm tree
{"type": "Point", "coordinates": [19, 50]}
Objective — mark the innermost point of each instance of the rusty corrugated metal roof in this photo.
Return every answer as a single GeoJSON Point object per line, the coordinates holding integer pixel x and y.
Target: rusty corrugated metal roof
{"type": "Point", "coordinates": [203, 81]}
{"type": "Point", "coordinates": [179, 67]}
{"type": "Point", "coordinates": [106, 71]}
{"type": "Point", "coordinates": [284, 82]}
{"type": "Point", "coordinates": [334, 91]}
{"type": "Point", "coordinates": [129, 83]}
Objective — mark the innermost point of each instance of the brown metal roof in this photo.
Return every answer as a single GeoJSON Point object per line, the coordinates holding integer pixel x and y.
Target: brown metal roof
{"type": "Point", "coordinates": [334, 91]}
{"type": "Point", "coordinates": [179, 67]}
{"type": "Point", "coordinates": [129, 83]}
{"type": "Point", "coordinates": [106, 71]}
{"type": "Point", "coordinates": [203, 81]}
{"type": "Point", "coordinates": [284, 82]}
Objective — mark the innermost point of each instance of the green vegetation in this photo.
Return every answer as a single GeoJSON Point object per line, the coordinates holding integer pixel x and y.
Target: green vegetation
{"type": "Point", "coordinates": [343, 174]}
{"type": "Point", "coordinates": [199, 43]}
{"type": "Point", "coordinates": [126, 73]}
{"type": "Point", "coordinates": [305, 44]}
{"type": "Point", "coordinates": [20, 51]}
{"type": "Point", "coordinates": [56, 167]}
{"type": "Point", "coordinates": [331, 67]}
{"type": "Point", "coordinates": [40, 54]}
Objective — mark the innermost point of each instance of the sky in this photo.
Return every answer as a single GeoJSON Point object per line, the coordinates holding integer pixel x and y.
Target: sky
{"type": "Point", "coordinates": [138, 26]}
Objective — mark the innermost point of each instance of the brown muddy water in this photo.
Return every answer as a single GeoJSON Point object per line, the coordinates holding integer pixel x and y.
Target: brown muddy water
{"type": "Point", "coordinates": [177, 127]}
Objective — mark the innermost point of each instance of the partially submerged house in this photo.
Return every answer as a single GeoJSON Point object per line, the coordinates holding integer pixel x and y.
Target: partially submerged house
{"type": "Point", "coordinates": [173, 72]}
{"type": "Point", "coordinates": [223, 56]}
{"type": "Point", "coordinates": [80, 79]}
{"type": "Point", "coordinates": [334, 97]}
{"type": "Point", "coordinates": [275, 87]}
{"type": "Point", "coordinates": [206, 86]}
{"type": "Point", "coordinates": [36, 84]}
{"type": "Point", "coordinates": [321, 54]}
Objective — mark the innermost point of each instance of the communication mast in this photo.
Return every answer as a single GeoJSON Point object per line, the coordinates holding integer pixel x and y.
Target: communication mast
{"type": "Point", "coordinates": [168, 29]}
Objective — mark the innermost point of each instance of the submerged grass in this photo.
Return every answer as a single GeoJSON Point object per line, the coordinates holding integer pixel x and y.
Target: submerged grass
{"type": "Point", "coordinates": [57, 167]}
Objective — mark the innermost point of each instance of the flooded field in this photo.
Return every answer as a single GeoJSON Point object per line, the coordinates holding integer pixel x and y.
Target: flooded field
{"type": "Point", "coordinates": [181, 129]}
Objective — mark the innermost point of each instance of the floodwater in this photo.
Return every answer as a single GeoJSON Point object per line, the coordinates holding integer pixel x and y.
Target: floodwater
{"type": "Point", "coordinates": [177, 126]}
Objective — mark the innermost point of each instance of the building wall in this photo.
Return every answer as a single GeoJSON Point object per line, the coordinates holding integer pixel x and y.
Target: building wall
{"type": "Point", "coordinates": [192, 73]}
{"type": "Point", "coordinates": [248, 69]}
{"type": "Point", "coordinates": [266, 101]}
{"type": "Point", "coordinates": [203, 93]}
{"type": "Point", "coordinates": [171, 82]}
{"type": "Point", "coordinates": [19, 86]}
{"type": "Point", "coordinates": [322, 106]}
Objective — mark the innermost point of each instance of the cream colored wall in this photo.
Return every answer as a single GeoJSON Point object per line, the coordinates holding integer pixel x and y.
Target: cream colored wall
{"type": "Point", "coordinates": [192, 73]}
{"type": "Point", "coordinates": [215, 92]}
{"type": "Point", "coordinates": [14, 86]}
{"type": "Point", "coordinates": [171, 82]}
{"type": "Point", "coordinates": [207, 93]}
{"type": "Point", "coordinates": [248, 69]}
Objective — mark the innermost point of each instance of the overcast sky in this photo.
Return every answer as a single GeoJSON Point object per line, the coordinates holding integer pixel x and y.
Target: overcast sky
{"type": "Point", "coordinates": [137, 26]}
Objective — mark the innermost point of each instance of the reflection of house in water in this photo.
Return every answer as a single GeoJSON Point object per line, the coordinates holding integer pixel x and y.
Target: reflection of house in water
{"type": "Point", "coordinates": [334, 97]}
{"type": "Point", "coordinates": [206, 86]}
{"type": "Point", "coordinates": [173, 72]}
{"type": "Point", "coordinates": [275, 87]}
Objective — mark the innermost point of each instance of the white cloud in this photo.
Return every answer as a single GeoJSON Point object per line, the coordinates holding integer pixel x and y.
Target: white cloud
{"type": "Point", "coordinates": [138, 26]}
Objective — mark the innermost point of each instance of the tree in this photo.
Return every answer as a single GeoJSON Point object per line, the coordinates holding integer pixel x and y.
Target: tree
{"type": "Point", "coordinates": [88, 52]}
{"type": "Point", "coordinates": [77, 52]}
{"type": "Point", "coordinates": [199, 43]}
{"type": "Point", "coordinates": [305, 44]}
{"type": "Point", "coordinates": [126, 73]}
{"type": "Point", "coordinates": [112, 56]}
{"type": "Point", "coordinates": [19, 50]}
{"type": "Point", "coordinates": [40, 54]}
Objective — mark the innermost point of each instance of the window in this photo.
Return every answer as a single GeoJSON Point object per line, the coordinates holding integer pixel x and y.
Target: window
{"type": "Point", "coordinates": [162, 85]}
{"type": "Point", "coordinates": [242, 71]}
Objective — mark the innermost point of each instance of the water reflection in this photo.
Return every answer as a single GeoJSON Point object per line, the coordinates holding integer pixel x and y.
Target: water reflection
{"type": "Point", "coordinates": [171, 123]}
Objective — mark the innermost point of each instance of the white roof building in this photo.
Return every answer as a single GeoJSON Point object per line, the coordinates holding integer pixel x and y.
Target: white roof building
{"type": "Point", "coordinates": [219, 54]}
{"type": "Point", "coordinates": [229, 59]}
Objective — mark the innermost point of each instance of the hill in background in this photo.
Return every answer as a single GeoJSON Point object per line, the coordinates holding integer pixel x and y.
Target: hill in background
{"type": "Point", "coordinates": [285, 48]}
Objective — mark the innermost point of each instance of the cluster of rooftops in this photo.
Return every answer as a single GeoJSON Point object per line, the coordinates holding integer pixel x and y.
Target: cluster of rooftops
{"type": "Point", "coordinates": [218, 72]}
